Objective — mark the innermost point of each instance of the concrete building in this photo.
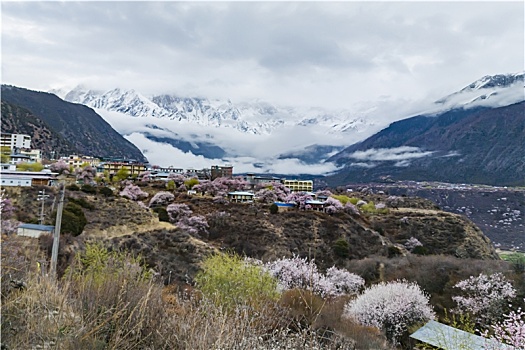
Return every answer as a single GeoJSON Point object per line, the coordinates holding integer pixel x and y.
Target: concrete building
{"type": "Point", "coordinates": [240, 197]}
{"type": "Point", "coordinates": [299, 185]}
{"type": "Point", "coordinates": [15, 141]}
{"type": "Point", "coordinates": [221, 171]}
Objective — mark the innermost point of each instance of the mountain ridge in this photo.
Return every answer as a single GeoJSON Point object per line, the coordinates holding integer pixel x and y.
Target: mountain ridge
{"type": "Point", "coordinates": [87, 132]}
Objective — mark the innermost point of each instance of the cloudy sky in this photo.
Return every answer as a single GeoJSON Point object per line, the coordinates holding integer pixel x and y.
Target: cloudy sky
{"type": "Point", "coordinates": [329, 54]}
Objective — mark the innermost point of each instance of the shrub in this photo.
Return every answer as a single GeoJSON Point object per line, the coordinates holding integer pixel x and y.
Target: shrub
{"type": "Point", "coordinates": [106, 192]}
{"type": "Point", "coordinates": [342, 248]}
{"type": "Point", "coordinates": [191, 182]}
{"type": "Point", "coordinates": [420, 250]}
{"type": "Point", "coordinates": [391, 307]}
{"type": "Point", "coordinates": [82, 202]}
{"type": "Point", "coordinates": [88, 189]}
{"type": "Point", "coordinates": [73, 219]}
{"type": "Point", "coordinates": [228, 280]}
{"type": "Point", "coordinates": [163, 214]}
{"type": "Point", "coordinates": [73, 187]}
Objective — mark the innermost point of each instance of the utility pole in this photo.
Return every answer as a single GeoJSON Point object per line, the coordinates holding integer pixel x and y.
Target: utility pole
{"type": "Point", "coordinates": [56, 235]}
{"type": "Point", "coordinates": [42, 198]}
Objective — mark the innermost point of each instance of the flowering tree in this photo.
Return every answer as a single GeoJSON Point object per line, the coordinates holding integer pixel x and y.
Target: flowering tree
{"type": "Point", "coordinates": [8, 224]}
{"type": "Point", "coordinates": [60, 167]}
{"type": "Point", "coordinates": [213, 188]}
{"type": "Point", "coordinates": [299, 199]}
{"type": "Point", "coordinates": [272, 192]}
{"type": "Point", "coordinates": [511, 331]}
{"type": "Point", "coordinates": [178, 211]}
{"type": "Point", "coordinates": [323, 193]}
{"type": "Point", "coordinates": [87, 174]}
{"type": "Point", "coordinates": [133, 192]}
{"type": "Point", "coordinates": [161, 198]}
{"type": "Point", "coordinates": [344, 282]}
{"type": "Point", "coordinates": [412, 243]}
{"type": "Point", "coordinates": [195, 225]}
{"type": "Point", "coordinates": [351, 209]}
{"type": "Point", "coordinates": [177, 178]}
{"type": "Point", "coordinates": [485, 296]}
{"type": "Point", "coordinates": [145, 176]}
{"type": "Point", "coordinates": [391, 307]}
{"type": "Point", "coordinates": [332, 205]}
{"type": "Point", "coordinates": [303, 274]}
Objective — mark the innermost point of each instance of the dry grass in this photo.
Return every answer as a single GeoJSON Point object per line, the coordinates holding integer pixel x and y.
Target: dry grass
{"type": "Point", "coordinates": [120, 307]}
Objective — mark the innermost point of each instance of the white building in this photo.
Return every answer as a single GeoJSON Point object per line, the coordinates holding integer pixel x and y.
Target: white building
{"type": "Point", "coordinates": [12, 180]}
{"type": "Point", "coordinates": [34, 230]}
{"type": "Point", "coordinates": [15, 140]}
{"type": "Point", "coordinates": [35, 155]}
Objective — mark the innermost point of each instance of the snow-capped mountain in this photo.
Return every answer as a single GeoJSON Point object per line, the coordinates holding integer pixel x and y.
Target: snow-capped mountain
{"type": "Point", "coordinates": [261, 137]}
{"type": "Point", "coordinates": [491, 90]}
{"type": "Point", "coordinates": [255, 117]}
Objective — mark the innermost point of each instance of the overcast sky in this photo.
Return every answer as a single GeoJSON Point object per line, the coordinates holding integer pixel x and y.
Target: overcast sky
{"type": "Point", "coordinates": [295, 53]}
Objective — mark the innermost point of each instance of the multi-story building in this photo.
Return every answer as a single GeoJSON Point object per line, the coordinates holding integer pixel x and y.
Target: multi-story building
{"type": "Point", "coordinates": [35, 155]}
{"type": "Point", "coordinates": [15, 141]}
{"type": "Point", "coordinates": [255, 180]}
{"type": "Point", "coordinates": [169, 170]}
{"type": "Point", "coordinates": [299, 185]}
{"type": "Point", "coordinates": [221, 171]}
{"type": "Point", "coordinates": [78, 161]}
{"type": "Point", "coordinates": [113, 167]}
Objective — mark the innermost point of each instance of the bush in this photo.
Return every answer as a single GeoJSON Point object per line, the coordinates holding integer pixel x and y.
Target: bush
{"type": "Point", "coordinates": [82, 202]}
{"type": "Point", "coordinates": [274, 209]}
{"type": "Point", "coordinates": [391, 307]}
{"type": "Point", "coordinates": [341, 248]}
{"type": "Point", "coordinates": [73, 219]}
{"type": "Point", "coordinates": [106, 192]}
{"type": "Point", "coordinates": [88, 189]}
{"type": "Point", "coordinates": [73, 187]}
{"type": "Point", "coordinates": [228, 280]}
{"type": "Point", "coordinates": [163, 214]}
{"type": "Point", "coordinates": [420, 250]}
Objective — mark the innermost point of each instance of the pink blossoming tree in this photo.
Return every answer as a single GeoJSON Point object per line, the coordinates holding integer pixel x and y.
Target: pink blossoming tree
{"type": "Point", "coordinates": [484, 296]}
{"type": "Point", "coordinates": [510, 331]}
{"type": "Point", "coordinates": [161, 198]}
{"type": "Point", "coordinates": [133, 192]}
{"type": "Point", "coordinates": [60, 167]}
{"type": "Point", "coordinates": [391, 307]}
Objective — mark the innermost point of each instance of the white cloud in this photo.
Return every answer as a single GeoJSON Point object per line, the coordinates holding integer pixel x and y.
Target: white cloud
{"type": "Point", "coordinates": [397, 154]}
{"type": "Point", "coordinates": [292, 53]}
{"type": "Point", "coordinates": [164, 154]}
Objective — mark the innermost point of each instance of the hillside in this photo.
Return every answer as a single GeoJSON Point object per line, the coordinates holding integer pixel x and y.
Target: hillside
{"type": "Point", "coordinates": [478, 145]}
{"type": "Point", "coordinates": [251, 230]}
{"type": "Point", "coordinates": [18, 120]}
{"type": "Point", "coordinates": [78, 125]}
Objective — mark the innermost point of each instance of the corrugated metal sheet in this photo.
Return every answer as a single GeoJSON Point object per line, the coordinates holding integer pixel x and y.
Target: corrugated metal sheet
{"type": "Point", "coordinates": [450, 338]}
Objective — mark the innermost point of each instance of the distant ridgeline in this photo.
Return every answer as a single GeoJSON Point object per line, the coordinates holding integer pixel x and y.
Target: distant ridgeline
{"type": "Point", "coordinates": [479, 145]}
{"type": "Point", "coordinates": [62, 127]}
